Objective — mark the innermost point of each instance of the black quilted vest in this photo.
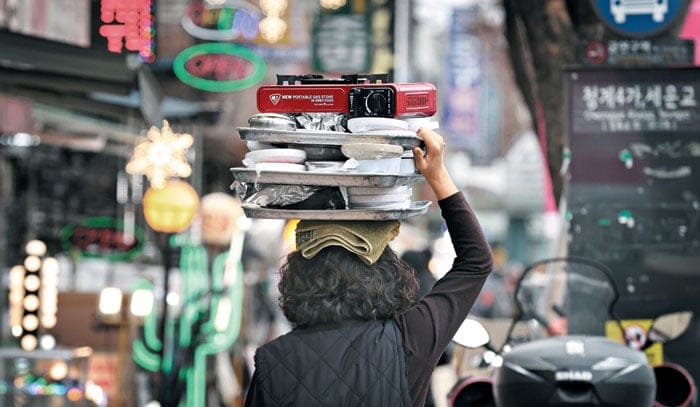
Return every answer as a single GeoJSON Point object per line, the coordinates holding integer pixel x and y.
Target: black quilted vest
{"type": "Point", "coordinates": [357, 363]}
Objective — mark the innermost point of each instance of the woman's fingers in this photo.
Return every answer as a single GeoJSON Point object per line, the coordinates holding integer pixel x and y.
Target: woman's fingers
{"type": "Point", "coordinates": [433, 141]}
{"type": "Point", "coordinates": [434, 146]}
{"type": "Point", "coordinates": [430, 163]}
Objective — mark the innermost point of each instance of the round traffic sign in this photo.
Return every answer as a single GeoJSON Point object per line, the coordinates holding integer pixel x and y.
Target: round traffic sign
{"type": "Point", "coordinates": [640, 18]}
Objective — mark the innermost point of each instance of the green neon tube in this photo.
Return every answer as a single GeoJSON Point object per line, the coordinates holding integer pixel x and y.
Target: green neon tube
{"type": "Point", "coordinates": [224, 48]}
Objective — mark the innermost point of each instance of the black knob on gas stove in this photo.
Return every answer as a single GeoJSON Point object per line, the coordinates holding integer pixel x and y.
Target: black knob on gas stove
{"type": "Point", "coordinates": [375, 103]}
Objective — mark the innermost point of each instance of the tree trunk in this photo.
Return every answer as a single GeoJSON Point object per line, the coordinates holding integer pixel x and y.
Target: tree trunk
{"type": "Point", "coordinates": [542, 42]}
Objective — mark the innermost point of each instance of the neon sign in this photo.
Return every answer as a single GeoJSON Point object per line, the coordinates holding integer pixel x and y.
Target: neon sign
{"type": "Point", "coordinates": [219, 67]}
{"type": "Point", "coordinates": [208, 323]}
{"type": "Point", "coordinates": [102, 237]}
{"type": "Point", "coordinates": [135, 28]}
{"type": "Point", "coordinates": [230, 21]}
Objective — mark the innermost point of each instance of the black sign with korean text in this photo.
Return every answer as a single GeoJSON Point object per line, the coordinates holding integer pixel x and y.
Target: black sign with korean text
{"type": "Point", "coordinates": [635, 52]}
{"type": "Point", "coordinates": [633, 194]}
{"type": "Point", "coordinates": [635, 159]}
{"type": "Point", "coordinates": [635, 101]}
{"type": "Point", "coordinates": [636, 127]}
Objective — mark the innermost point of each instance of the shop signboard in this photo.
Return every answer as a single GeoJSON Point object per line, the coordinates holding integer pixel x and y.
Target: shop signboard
{"type": "Point", "coordinates": [239, 21]}
{"type": "Point", "coordinates": [228, 21]}
{"type": "Point", "coordinates": [342, 42]}
{"type": "Point", "coordinates": [219, 67]}
{"type": "Point", "coordinates": [635, 101]}
{"type": "Point", "coordinates": [633, 187]}
{"type": "Point", "coordinates": [634, 148]}
{"type": "Point", "coordinates": [66, 21]}
{"type": "Point", "coordinates": [639, 18]}
{"type": "Point", "coordinates": [129, 25]}
{"type": "Point", "coordinates": [102, 237]}
{"type": "Point", "coordinates": [660, 52]}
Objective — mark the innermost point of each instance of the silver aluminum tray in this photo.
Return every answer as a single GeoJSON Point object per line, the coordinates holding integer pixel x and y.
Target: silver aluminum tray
{"type": "Point", "coordinates": [416, 208]}
{"type": "Point", "coordinates": [404, 138]}
{"type": "Point", "coordinates": [346, 179]}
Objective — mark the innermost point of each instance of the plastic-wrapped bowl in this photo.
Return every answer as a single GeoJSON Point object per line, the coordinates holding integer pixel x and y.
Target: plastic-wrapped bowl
{"type": "Point", "coordinates": [324, 166]}
{"type": "Point", "coordinates": [366, 124]}
{"type": "Point", "coordinates": [370, 151]}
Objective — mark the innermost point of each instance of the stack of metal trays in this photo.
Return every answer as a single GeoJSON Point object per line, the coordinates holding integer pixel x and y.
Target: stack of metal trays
{"type": "Point", "coordinates": [326, 143]}
{"type": "Point", "coordinates": [404, 138]}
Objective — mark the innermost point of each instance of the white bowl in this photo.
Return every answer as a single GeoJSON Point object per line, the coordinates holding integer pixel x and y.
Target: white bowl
{"type": "Point", "coordinates": [365, 124]}
{"type": "Point", "coordinates": [367, 200]}
{"type": "Point", "coordinates": [275, 155]}
{"type": "Point", "coordinates": [388, 206]}
{"type": "Point", "coordinates": [403, 189]}
{"type": "Point", "coordinates": [414, 123]}
{"type": "Point", "coordinates": [408, 164]}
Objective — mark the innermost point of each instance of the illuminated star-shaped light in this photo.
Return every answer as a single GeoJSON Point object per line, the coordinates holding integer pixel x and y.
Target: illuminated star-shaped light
{"type": "Point", "coordinates": [161, 156]}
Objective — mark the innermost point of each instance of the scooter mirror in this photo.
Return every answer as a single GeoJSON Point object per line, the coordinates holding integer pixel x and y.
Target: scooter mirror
{"type": "Point", "coordinates": [668, 327]}
{"type": "Point", "coordinates": [471, 334]}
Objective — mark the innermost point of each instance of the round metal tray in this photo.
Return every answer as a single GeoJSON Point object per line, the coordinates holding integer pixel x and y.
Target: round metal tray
{"type": "Point", "coordinates": [405, 138]}
{"type": "Point", "coordinates": [348, 179]}
{"type": "Point", "coordinates": [416, 208]}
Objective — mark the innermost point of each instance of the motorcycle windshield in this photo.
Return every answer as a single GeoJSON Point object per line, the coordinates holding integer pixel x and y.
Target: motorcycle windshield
{"type": "Point", "coordinates": [565, 296]}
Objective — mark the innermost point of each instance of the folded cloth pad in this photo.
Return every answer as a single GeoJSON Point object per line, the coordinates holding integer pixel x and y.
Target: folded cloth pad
{"type": "Point", "coordinates": [367, 239]}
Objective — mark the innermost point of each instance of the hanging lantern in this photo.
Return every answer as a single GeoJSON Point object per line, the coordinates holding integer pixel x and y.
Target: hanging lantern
{"type": "Point", "coordinates": [170, 209]}
{"type": "Point", "coordinates": [221, 216]}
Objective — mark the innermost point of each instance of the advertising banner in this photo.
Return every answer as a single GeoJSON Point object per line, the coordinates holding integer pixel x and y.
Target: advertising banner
{"type": "Point", "coordinates": [464, 76]}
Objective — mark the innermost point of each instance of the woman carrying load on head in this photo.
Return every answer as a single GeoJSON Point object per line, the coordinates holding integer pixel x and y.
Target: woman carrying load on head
{"type": "Point", "coordinates": [360, 336]}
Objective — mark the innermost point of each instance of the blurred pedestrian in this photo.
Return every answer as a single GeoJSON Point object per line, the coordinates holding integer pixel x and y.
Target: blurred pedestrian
{"type": "Point", "coordinates": [419, 260]}
{"type": "Point", "coordinates": [359, 337]}
{"type": "Point", "coordinates": [496, 297]}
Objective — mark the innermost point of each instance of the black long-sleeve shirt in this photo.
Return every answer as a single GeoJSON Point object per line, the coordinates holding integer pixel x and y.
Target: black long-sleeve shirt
{"type": "Point", "coordinates": [429, 326]}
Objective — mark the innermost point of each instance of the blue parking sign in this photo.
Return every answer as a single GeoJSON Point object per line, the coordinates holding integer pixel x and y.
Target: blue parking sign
{"type": "Point", "coordinates": [640, 18]}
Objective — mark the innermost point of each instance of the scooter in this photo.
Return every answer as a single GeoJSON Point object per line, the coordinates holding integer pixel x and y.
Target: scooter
{"type": "Point", "coordinates": [556, 352]}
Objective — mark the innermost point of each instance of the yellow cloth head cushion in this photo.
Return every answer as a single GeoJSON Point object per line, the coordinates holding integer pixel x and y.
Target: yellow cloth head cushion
{"type": "Point", "coordinates": [367, 239]}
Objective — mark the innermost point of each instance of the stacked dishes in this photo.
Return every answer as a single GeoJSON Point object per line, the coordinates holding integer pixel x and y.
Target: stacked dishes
{"type": "Point", "coordinates": [276, 159]}
{"type": "Point", "coordinates": [380, 197]}
{"type": "Point", "coordinates": [360, 172]}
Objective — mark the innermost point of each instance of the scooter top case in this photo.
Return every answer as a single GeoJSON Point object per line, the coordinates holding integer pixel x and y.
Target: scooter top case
{"type": "Point", "coordinates": [574, 370]}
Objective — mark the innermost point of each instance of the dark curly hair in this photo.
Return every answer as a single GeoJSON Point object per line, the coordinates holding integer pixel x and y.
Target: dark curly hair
{"type": "Point", "coordinates": [335, 285]}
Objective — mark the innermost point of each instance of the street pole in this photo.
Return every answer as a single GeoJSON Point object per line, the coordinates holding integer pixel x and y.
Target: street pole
{"type": "Point", "coordinates": [166, 252]}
